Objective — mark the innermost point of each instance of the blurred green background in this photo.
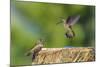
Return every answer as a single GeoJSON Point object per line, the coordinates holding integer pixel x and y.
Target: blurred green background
{"type": "Point", "coordinates": [33, 20]}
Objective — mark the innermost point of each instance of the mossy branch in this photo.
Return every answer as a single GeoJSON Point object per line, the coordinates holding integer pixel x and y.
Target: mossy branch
{"type": "Point", "coordinates": [65, 55]}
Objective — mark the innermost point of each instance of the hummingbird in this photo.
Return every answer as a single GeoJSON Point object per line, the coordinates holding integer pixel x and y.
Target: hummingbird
{"type": "Point", "coordinates": [35, 50]}
{"type": "Point", "coordinates": [68, 23]}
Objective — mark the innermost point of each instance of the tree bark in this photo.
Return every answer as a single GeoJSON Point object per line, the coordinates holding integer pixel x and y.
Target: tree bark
{"type": "Point", "coordinates": [65, 55]}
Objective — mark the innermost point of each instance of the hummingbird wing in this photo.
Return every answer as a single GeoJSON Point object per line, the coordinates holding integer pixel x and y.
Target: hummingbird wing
{"type": "Point", "coordinates": [72, 20]}
{"type": "Point", "coordinates": [34, 50]}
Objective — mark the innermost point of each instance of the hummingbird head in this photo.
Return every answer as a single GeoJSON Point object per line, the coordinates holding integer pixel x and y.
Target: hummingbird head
{"type": "Point", "coordinates": [63, 20]}
{"type": "Point", "coordinates": [41, 41]}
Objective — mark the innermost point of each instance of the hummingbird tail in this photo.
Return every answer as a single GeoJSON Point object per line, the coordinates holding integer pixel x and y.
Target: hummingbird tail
{"type": "Point", "coordinates": [72, 30]}
{"type": "Point", "coordinates": [68, 35]}
{"type": "Point", "coordinates": [28, 54]}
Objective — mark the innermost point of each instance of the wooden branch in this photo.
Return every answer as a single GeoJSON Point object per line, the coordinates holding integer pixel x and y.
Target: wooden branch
{"type": "Point", "coordinates": [65, 55]}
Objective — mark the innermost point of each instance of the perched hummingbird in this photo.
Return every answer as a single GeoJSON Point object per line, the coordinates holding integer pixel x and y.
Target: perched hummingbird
{"type": "Point", "coordinates": [35, 50]}
{"type": "Point", "coordinates": [68, 23]}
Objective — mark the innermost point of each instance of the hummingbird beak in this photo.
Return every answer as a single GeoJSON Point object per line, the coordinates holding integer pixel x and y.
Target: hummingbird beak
{"type": "Point", "coordinates": [61, 21]}
{"type": "Point", "coordinates": [58, 23]}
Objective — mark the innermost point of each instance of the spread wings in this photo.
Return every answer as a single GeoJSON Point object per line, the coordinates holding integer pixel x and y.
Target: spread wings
{"type": "Point", "coordinates": [72, 20]}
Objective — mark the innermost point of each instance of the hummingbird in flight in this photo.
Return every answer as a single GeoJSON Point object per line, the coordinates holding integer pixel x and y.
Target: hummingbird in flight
{"type": "Point", "coordinates": [68, 23]}
{"type": "Point", "coordinates": [35, 50]}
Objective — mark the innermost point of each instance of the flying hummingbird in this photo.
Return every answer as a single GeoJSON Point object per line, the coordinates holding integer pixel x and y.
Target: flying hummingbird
{"type": "Point", "coordinates": [35, 50]}
{"type": "Point", "coordinates": [68, 23]}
